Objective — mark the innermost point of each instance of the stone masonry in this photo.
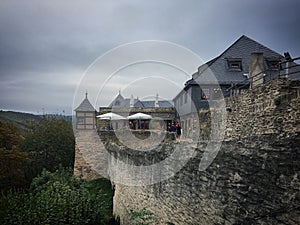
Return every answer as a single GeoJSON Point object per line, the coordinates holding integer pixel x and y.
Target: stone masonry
{"type": "Point", "coordinates": [254, 179]}
{"type": "Point", "coordinates": [90, 155]}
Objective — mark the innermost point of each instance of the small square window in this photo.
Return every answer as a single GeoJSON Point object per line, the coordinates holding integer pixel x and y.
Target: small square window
{"type": "Point", "coordinates": [273, 64]}
{"type": "Point", "coordinates": [80, 120]}
{"type": "Point", "coordinates": [234, 64]}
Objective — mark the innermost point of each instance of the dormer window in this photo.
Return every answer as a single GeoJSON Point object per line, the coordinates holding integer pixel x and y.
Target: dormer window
{"type": "Point", "coordinates": [234, 64]}
{"type": "Point", "coordinates": [117, 103]}
{"type": "Point", "coordinates": [273, 64]}
{"type": "Point", "coordinates": [205, 94]}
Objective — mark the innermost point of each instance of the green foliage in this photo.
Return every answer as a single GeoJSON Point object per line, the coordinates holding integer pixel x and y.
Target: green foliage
{"type": "Point", "coordinates": [50, 144]}
{"type": "Point", "coordinates": [56, 198]}
{"type": "Point", "coordinates": [13, 163]}
{"type": "Point", "coordinates": [13, 166]}
{"type": "Point", "coordinates": [10, 136]}
{"type": "Point", "coordinates": [142, 217]}
{"type": "Point", "coordinates": [47, 178]}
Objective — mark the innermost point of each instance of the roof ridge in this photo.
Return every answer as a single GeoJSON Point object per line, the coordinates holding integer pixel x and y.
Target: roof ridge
{"type": "Point", "coordinates": [210, 62]}
{"type": "Point", "coordinates": [251, 39]}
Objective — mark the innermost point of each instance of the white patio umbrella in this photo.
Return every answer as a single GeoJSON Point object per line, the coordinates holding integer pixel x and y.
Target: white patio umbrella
{"type": "Point", "coordinates": [139, 116]}
{"type": "Point", "coordinates": [110, 116]}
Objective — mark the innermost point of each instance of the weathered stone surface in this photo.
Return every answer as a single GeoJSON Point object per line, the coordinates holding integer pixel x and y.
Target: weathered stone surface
{"type": "Point", "coordinates": [90, 155]}
{"type": "Point", "coordinates": [268, 109]}
{"type": "Point", "coordinates": [253, 182]}
{"type": "Point", "coordinates": [254, 179]}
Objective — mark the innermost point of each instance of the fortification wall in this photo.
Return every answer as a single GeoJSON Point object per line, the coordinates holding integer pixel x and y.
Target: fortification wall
{"type": "Point", "coordinates": [254, 179]}
{"type": "Point", "coordinates": [90, 155]}
{"type": "Point", "coordinates": [269, 109]}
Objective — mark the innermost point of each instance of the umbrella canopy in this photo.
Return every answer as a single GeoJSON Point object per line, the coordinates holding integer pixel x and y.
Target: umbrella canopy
{"type": "Point", "coordinates": [110, 116]}
{"type": "Point", "coordinates": [139, 116]}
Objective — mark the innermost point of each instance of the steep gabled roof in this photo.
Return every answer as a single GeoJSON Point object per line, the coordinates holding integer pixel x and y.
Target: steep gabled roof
{"type": "Point", "coordinates": [85, 106]}
{"type": "Point", "coordinates": [118, 101]}
{"type": "Point", "coordinates": [240, 49]}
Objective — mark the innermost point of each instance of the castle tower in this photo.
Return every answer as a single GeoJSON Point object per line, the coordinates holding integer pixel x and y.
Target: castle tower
{"type": "Point", "coordinates": [85, 115]}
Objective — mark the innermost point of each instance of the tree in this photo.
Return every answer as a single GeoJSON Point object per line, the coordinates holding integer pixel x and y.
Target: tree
{"type": "Point", "coordinates": [50, 144]}
{"type": "Point", "coordinates": [10, 136]}
{"type": "Point", "coordinates": [13, 162]}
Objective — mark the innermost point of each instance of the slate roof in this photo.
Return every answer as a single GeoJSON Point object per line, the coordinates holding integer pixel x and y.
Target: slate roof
{"type": "Point", "coordinates": [151, 104]}
{"type": "Point", "coordinates": [122, 102]}
{"type": "Point", "coordinates": [240, 49]}
{"type": "Point", "coordinates": [85, 106]}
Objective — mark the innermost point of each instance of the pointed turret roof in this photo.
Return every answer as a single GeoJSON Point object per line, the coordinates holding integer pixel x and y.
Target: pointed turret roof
{"type": "Point", "coordinates": [85, 106]}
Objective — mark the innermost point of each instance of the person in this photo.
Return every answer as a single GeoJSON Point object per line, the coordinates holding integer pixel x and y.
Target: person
{"type": "Point", "coordinates": [178, 132]}
{"type": "Point", "coordinates": [172, 128]}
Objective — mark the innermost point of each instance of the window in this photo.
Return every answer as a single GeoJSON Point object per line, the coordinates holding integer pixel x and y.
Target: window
{"type": "Point", "coordinates": [273, 64]}
{"type": "Point", "coordinates": [185, 97]}
{"type": "Point", "coordinates": [217, 93]}
{"type": "Point", "coordinates": [205, 94]}
{"type": "Point", "coordinates": [117, 103]}
{"type": "Point", "coordinates": [80, 120]}
{"type": "Point", "coordinates": [234, 64]}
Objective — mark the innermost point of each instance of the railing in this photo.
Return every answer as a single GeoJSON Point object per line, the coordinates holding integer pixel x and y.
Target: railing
{"type": "Point", "coordinates": [285, 69]}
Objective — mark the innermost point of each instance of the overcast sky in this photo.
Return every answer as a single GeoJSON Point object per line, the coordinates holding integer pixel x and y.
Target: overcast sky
{"type": "Point", "coordinates": [46, 47]}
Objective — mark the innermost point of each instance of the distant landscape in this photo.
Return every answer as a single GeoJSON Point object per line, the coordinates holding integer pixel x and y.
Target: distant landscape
{"type": "Point", "coordinates": [24, 121]}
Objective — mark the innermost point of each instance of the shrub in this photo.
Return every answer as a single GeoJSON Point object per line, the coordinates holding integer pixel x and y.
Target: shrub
{"type": "Point", "coordinates": [55, 198]}
{"type": "Point", "coordinates": [142, 217]}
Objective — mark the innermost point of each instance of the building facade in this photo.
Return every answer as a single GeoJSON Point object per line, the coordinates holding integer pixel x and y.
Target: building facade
{"type": "Point", "coordinates": [224, 76]}
{"type": "Point", "coordinates": [85, 115]}
{"type": "Point", "coordinates": [162, 111]}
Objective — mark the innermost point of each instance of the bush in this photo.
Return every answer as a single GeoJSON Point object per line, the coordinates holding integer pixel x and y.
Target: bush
{"type": "Point", "coordinates": [142, 217]}
{"type": "Point", "coordinates": [55, 198]}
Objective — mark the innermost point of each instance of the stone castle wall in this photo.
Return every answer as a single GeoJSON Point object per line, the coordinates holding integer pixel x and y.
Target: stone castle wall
{"type": "Point", "coordinates": [254, 179]}
{"type": "Point", "coordinates": [272, 108]}
{"type": "Point", "coordinates": [90, 155]}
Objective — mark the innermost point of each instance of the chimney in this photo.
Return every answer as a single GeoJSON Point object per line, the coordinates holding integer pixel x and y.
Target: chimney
{"type": "Point", "coordinates": [256, 69]}
{"type": "Point", "coordinates": [156, 101]}
{"type": "Point", "coordinates": [131, 101]}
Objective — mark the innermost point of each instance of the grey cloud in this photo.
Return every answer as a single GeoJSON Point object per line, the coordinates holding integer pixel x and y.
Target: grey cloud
{"type": "Point", "coordinates": [47, 41]}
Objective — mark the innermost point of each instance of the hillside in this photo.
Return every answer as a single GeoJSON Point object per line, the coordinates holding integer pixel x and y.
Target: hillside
{"type": "Point", "coordinates": [22, 120]}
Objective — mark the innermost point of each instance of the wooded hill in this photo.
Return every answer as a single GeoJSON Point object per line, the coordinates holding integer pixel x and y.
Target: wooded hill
{"type": "Point", "coordinates": [24, 121]}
